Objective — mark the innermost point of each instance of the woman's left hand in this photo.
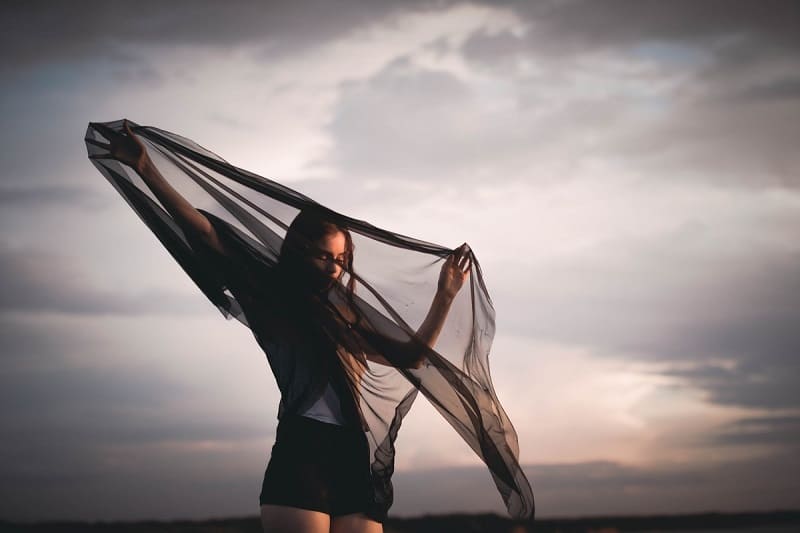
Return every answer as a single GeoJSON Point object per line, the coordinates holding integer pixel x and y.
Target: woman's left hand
{"type": "Point", "coordinates": [454, 271]}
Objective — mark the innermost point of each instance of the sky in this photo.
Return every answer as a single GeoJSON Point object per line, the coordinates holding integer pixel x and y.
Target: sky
{"type": "Point", "coordinates": [628, 174]}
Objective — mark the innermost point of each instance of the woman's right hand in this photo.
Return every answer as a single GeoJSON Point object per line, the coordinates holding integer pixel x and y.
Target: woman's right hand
{"type": "Point", "coordinates": [454, 271]}
{"type": "Point", "coordinates": [125, 147]}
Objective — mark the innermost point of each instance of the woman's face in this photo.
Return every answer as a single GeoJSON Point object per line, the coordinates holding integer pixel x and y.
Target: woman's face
{"type": "Point", "coordinates": [328, 256]}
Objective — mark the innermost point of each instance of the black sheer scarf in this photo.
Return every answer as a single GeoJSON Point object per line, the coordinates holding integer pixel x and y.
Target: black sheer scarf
{"type": "Point", "coordinates": [393, 279]}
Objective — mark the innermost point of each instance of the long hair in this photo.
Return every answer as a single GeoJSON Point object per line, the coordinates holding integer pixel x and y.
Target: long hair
{"type": "Point", "coordinates": [308, 227]}
{"type": "Point", "coordinates": [295, 272]}
{"type": "Point", "coordinates": [317, 320]}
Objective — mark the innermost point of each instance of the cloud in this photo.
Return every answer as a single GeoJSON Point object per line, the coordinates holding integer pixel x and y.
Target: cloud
{"type": "Point", "coordinates": [717, 313]}
{"type": "Point", "coordinates": [739, 144]}
{"type": "Point", "coordinates": [719, 317]}
{"type": "Point", "coordinates": [579, 25]}
{"type": "Point", "coordinates": [511, 130]}
{"type": "Point", "coordinates": [608, 488]}
{"type": "Point", "coordinates": [77, 404]}
{"type": "Point", "coordinates": [91, 408]}
{"type": "Point", "coordinates": [701, 87]}
{"type": "Point", "coordinates": [781, 431]}
{"type": "Point", "coordinates": [39, 280]}
{"type": "Point", "coordinates": [38, 196]}
{"type": "Point", "coordinates": [780, 89]}
{"type": "Point", "coordinates": [750, 383]}
{"type": "Point", "coordinates": [400, 123]}
{"type": "Point", "coordinates": [430, 128]}
{"type": "Point", "coordinates": [33, 35]}
{"type": "Point", "coordinates": [657, 111]}
{"type": "Point", "coordinates": [561, 490]}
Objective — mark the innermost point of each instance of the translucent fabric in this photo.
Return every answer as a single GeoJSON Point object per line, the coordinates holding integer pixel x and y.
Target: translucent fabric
{"type": "Point", "coordinates": [362, 342]}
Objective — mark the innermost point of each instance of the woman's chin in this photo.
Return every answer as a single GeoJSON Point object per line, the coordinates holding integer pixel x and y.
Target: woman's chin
{"type": "Point", "coordinates": [324, 286]}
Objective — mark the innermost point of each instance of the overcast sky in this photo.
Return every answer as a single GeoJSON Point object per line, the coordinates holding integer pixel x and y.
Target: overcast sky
{"type": "Point", "coordinates": [627, 172]}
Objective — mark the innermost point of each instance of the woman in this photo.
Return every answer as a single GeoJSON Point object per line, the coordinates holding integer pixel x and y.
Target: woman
{"type": "Point", "coordinates": [307, 320]}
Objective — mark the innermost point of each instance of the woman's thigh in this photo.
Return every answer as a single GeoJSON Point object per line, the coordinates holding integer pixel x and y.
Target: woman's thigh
{"type": "Point", "coordinates": [284, 519]}
{"type": "Point", "coordinates": [355, 523]}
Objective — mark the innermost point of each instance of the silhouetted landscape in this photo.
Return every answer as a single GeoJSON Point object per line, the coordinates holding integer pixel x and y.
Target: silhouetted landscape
{"type": "Point", "coordinates": [774, 522]}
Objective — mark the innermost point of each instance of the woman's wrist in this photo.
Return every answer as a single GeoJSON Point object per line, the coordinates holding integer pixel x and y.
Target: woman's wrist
{"type": "Point", "coordinates": [145, 167]}
{"type": "Point", "coordinates": [444, 297]}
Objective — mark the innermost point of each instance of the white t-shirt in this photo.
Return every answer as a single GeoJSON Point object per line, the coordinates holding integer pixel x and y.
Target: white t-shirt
{"type": "Point", "coordinates": [326, 408]}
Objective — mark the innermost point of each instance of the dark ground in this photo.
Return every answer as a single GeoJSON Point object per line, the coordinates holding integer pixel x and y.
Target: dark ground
{"type": "Point", "coordinates": [772, 522]}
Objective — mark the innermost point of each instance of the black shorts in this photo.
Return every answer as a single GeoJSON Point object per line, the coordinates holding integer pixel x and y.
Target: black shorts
{"type": "Point", "coordinates": [318, 466]}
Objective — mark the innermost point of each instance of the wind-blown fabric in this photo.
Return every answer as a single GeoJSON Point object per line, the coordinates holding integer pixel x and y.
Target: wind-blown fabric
{"type": "Point", "coordinates": [395, 281]}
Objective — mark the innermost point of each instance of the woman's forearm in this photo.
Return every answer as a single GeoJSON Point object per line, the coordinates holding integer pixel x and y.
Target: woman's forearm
{"type": "Point", "coordinates": [430, 328]}
{"type": "Point", "coordinates": [187, 217]}
{"type": "Point", "coordinates": [411, 353]}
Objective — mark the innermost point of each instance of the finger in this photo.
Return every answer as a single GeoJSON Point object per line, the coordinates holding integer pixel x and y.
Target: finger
{"type": "Point", "coordinates": [456, 254]}
{"type": "Point", "coordinates": [107, 132]}
{"type": "Point", "coordinates": [462, 262]}
{"type": "Point", "coordinates": [133, 136]}
{"type": "Point", "coordinates": [105, 146]}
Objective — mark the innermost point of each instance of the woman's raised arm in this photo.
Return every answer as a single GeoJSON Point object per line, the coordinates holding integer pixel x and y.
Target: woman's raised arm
{"type": "Point", "coordinates": [452, 276]}
{"type": "Point", "coordinates": [410, 354]}
{"type": "Point", "coordinates": [129, 149]}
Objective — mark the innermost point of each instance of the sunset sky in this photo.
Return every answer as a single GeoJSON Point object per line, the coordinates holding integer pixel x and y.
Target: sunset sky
{"type": "Point", "coordinates": [628, 174]}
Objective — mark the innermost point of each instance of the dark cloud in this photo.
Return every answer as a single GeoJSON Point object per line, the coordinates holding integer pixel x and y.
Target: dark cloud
{"type": "Point", "coordinates": [37, 32]}
{"type": "Point", "coordinates": [44, 383]}
{"type": "Point", "coordinates": [39, 280]}
{"type": "Point", "coordinates": [681, 296]}
{"type": "Point", "coordinates": [83, 416]}
{"type": "Point", "coordinates": [780, 89]}
{"type": "Point", "coordinates": [583, 25]}
{"type": "Point", "coordinates": [717, 139]}
{"type": "Point", "coordinates": [34, 33]}
{"type": "Point", "coordinates": [605, 488]}
{"type": "Point", "coordinates": [28, 347]}
{"type": "Point", "coordinates": [686, 116]}
{"type": "Point", "coordinates": [426, 127]}
{"type": "Point", "coordinates": [77, 404]}
{"type": "Point", "coordinates": [562, 490]}
{"type": "Point", "coordinates": [731, 112]}
{"type": "Point", "coordinates": [782, 431]}
{"type": "Point", "coordinates": [500, 51]}
{"type": "Point", "coordinates": [37, 196]}
{"type": "Point", "coordinates": [668, 301]}
{"type": "Point", "coordinates": [399, 124]}
{"type": "Point", "coordinates": [80, 473]}
{"type": "Point", "coordinates": [750, 383]}
{"type": "Point", "coordinates": [78, 442]}
{"type": "Point", "coordinates": [682, 299]}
